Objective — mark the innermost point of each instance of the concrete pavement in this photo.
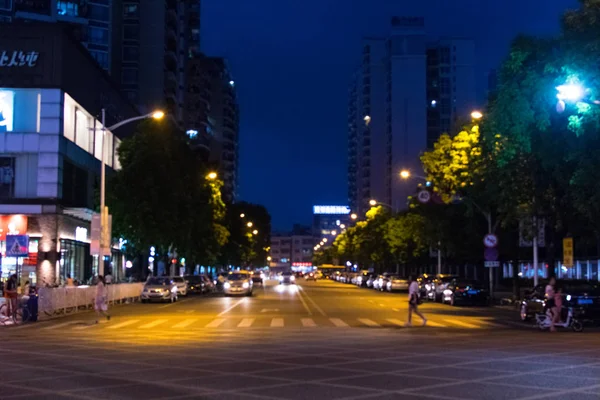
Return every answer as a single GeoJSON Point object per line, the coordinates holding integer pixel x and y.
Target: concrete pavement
{"type": "Point", "coordinates": [320, 340]}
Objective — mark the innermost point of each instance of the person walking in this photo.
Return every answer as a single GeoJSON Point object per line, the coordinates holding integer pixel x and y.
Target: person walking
{"type": "Point", "coordinates": [11, 295]}
{"type": "Point", "coordinates": [549, 294]}
{"type": "Point", "coordinates": [413, 302]}
{"type": "Point", "coordinates": [101, 301]}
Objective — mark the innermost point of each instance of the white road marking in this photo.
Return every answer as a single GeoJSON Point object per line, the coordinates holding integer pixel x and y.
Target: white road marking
{"type": "Point", "coordinates": [237, 303]}
{"type": "Point", "coordinates": [315, 305]}
{"type": "Point", "coordinates": [49, 328]}
{"type": "Point", "coordinates": [381, 305]}
{"type": "Point", "coordinates": [82, 327]}
{"type": "Point", "coordinates": [435, 324]}
{"type": "Point", "coordinates": [246, 323]}
{"type": "Point", "coordinates": [368, 322]}
{"type": "Point", "coordinates": [308, 323]}
{"type": "Point", "coordinates": [395, 309]}
{"type": "Point", "coordinates": [304, 303]}
{"type": "Point", "coordinates": [153, 324]}
{"type": "Point", "coordinates": [461, 323]}
{"type": "Point", "coordinates": [122, 324]}
{"type": "Point", "coordinates": [269, 310]}
{"type": "Point", "coordinates": [338, 323]}
{"type": "Point", "coordinates": [215, 323]}
{"type": "Point", "coordinates": [277, 323]}
{"type": "Point", "coordinates": [184, 323]}
{"type": "Point", "coordinates": [396, 321]}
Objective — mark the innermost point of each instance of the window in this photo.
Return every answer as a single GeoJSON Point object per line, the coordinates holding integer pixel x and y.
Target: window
{"type": "Point", "coordinates": [97, 12]}
{"type": "Point", "coordinates": [129, 75]}
{"type": "Point", "coordinates": [69, 119]}
{"type": "Point", "coordinates": [130, 10]}
{"type": "Point", "coordinates": [19, 110]}
{"type": "Point", "coordinates": [131, 32]}
{"type": "Point", "coordinates": [98, 35]}
{"type": "Point", "coordinates": [70, 8]}
{"type": "Point", "coordinates": [130, 53]}
{"type": "Point", "coordinates": [82, 130]}
{"type": "Point", "coordinates": [7, 177]}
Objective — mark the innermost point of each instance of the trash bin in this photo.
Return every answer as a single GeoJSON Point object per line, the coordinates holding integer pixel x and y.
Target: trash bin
{"type": "Point", "coordinates": [32, 305]}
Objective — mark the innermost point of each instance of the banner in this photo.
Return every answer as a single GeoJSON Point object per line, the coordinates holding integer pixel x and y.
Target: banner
{"type": "Point", "coordinates": [12, 225]}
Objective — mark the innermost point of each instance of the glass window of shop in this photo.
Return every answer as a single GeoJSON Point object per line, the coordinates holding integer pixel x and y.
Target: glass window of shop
{"type": "Point", "coordinates": [19, 110]}
{"type": "Point", "coordinates": [75, 260]}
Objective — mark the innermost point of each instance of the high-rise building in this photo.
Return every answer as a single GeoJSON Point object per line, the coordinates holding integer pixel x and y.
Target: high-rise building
{"type": "Point", "coordinates": [211, 117]}
{"type": "Point", "coordinates": [153, 41]}
{"type": "Point", "coordinates": [90, 20]}
{"type": "Point", "coordinates": [403, 96]}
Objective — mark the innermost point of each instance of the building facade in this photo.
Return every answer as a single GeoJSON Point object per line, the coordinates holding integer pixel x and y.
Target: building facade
{"type": "Point", "coordinates": [291, 251]}
{"type": "Point", "coordinates": [329, 221]}
{"type": "Point", "coordinates": [403, 96]}
{"type": "Point", "coordinates": [90, 21]}
{"type": "Point", "coordinates": [211, 117]}
{"type": "Point", "coordinates": [51, 95]}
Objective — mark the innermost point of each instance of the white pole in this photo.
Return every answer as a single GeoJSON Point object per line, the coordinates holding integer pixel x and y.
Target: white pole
{"type": "Point", "coordinates": [439, 254]}
{"type": "Point", "coordinates": [102, 193]}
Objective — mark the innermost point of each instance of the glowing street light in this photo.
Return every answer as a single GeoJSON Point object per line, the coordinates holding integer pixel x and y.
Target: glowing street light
{"type": "Point", "coordinates": [405, 174]}
{"type": "Point", "coordinates": [476, 114]}
{"type": "Point", "coordinates": [367, 120]}
{"type": "Point", "coordinates": [324, 240]}
{"type": "Point", "coordinates": [249, 224]}
{"type": "Point", "coordinates": [158, 114]}
{"type": "Point", "coordinates": [353, 216]}
{"type": "Point", "coordinates": [255, 232]}
{"type": "Point", "coordinates": [333, 233]}
{"type": "Point", "coordinates": [211, 176]}
{"type": "Point", "coordinates": [572, 92]}
{"type": "Point", "coordinates": [343, 226]}
{"type": "Point", "coordinates": [242, 215]}
{"type": "Point", "coordinates": [373, 202]}
{"type": "Point", "coordinates": [269, 258]}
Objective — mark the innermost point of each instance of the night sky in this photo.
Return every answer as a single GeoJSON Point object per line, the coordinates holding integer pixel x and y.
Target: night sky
{"type": "Point", "coordinates": [292, 61]}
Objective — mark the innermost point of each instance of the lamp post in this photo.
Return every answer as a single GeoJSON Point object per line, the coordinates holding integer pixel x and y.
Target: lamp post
{"type": "Point", "coordinates": [103, 212]}
{"type": "Point", "coordinates": [374, 203]}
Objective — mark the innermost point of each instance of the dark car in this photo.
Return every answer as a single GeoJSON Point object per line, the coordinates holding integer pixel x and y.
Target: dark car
{"type": "Point", "coordinates": [463, 291]}
{"type": "Point", "coordinates": [287, 278]}
{"type": "Point", "coordinates": [258, 277]}
{"type": "Point", "coordinates": [199, 284]}
{"type": "Point", "coordinates": [583, 295]}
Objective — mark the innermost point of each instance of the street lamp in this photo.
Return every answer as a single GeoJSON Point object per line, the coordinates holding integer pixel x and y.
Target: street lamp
{"type": "Point", "coordinates": [476, 114]}
{"type": "Point", "coordinates": [373, 202]}
{"type": "Point", "coordinates": [155, 115]}
{"type": "Point", "coordinates": [572, 92]}
{"type": "Point", "coordinates": [242, 215]}
{"type": "Point", "coordinates": [343, 226]}
{"type": "Point", "coordinates": [249, 224]}
{"type": "Point", "coordinates": [353, 216]}
{"type": "Point", "coordinates": [211, 176]}
{"type": "Point", "coordinates": [333, 233]}
{"type": "Point", "coordinates": [255, 232]}
{"type": "Point", "coordinates": [405, 174]}
{"type": "Point", "coordinates": [324, 240]}
{"type": "Point", "coordinates": [269, 258]}
{"type": "Point", "coordinates": [367, 120]}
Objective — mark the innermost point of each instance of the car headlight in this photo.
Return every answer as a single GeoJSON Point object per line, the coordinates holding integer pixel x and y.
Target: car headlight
{"type": "Point", "coordinates": [226, 285]}
{"type": "Point", "coordinates": [245, 285]}
{"type": "Point", "coordinates": [568, 297]}
{"type": "Point", "coordinates": [280, 278]}
{"type": "Point", "coordinates": [428, 287]}
{"type": "Point", "coordinates": [292, 278]}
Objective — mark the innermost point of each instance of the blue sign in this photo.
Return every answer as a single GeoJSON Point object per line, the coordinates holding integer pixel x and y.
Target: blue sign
{"type": "Point", "coordinates": [17, 245]}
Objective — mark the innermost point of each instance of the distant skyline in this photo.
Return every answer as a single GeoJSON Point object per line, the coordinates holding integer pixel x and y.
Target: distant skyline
{"type": "Point", "coordinates": [292, 62]}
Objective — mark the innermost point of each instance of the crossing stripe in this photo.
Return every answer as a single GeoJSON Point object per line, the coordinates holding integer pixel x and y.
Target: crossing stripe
{"type": "Point", "coordinates": [277, 323]}
{"type": "Point", "coordinates": [49, 328]}
{"type": "Point", "coordinates": [368, 322]}
{"type": "Point", "coordinates": [308, 323]}
{"type": "Point", "coordinates": [185, 323]}
{"type": "Point", "coordinates": [153, 324]}
{"type": "Point", "coordinates": [490, 324]}
{"type": "Point", "coordinates": [82, 327]}
{"type": "Point", "coordinates": [246, 323]}
{"type": "Point", "coordinates": [215, 323]}
{"type": "Point", "coordinates": [338, 323]}
{"type": "Point", "coordinates": [395, 309]}
{"type": "Point", "coordinates": [461, 323]}
{"type": "Point", "coordinates": [122, 324]}
{"type": "Point", "coordinates": [435, 324]}
{"type": "Point", "coordinates": [396, 321]}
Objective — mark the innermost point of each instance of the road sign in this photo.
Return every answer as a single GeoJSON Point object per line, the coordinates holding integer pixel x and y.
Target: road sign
{"type": "Point", "coordinates": [17, 245]}
{"type": "Point", "coordinates": [424, 196]}
{"type": "Point", "coordinates": [491, 254]}
{"type": "Point", "coordinates": [491, 264]}
{"type": "Point", "coordinates": [490, 240]}
{"type": "Point", "coordinates": [568, 252]}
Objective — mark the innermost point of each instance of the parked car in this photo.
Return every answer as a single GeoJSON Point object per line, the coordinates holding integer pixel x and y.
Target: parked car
{"type": "Point", "coordinates": [439, 284]}
{"type": "Point", "coordinates": [238, 283]}
{"type": "Point", "coordinates": [159, 289]}
{"type": "Point", "coordinates": [426, 283]}
{"type": "Point", "coordinates": [182, 288]}
{"type": "Point", "coordinates": [465, 291]}
{"type": "Point", "coordinates": [362, 279]}
{"type": "Point", "coordinates": [371, 280]}
{"type": "Point", "coordinates": [395, 282]}
{"type": "Point", "coordinates": [584, 295]}
{"type": "Point", "coordinates": [378, 282]}
{"type": "Point", "coordinates": [287, 278]}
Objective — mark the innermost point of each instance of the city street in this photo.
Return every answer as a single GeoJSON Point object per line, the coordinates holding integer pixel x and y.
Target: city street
{"type": "Point", "coordinates": [316, 340]}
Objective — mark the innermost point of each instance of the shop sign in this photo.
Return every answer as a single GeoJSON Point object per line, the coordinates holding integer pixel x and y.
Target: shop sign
{"type": "Point", "coordinates": [81, 234]}
{"type": "Point", "coordinates": [18, 58]}
{"type": "Point", "coordinates": [12, 225]}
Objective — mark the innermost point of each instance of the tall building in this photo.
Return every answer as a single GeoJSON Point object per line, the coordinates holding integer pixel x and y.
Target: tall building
{"type": "Point", "coordinates": [153, 41]}
{"type": "Point", "coordinates": [329, 221]}
{"type": "Point", "coordinates": [211, 117]}
{"type": "Point", "coordinates": [90, 21]}
{"type": "Point", "coordinates": [403, 96]}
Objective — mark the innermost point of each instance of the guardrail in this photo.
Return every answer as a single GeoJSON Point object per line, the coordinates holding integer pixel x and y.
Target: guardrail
{"type": "Point", "coordinates": [69, 299]}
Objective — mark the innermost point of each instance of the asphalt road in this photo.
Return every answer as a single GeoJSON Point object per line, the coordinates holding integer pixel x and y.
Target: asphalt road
{"type": "Point", "coordinates": [320, 340]}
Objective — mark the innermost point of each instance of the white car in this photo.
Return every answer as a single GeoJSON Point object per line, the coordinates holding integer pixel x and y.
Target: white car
{"type": "Point", "coordinates": [182, 288]}
{"type": "Point", "coordinates": [159, 289]}
{"type": "Point", "coordinates": [238, 283]}
{"type": "Point", "coordinates": [396, 283]}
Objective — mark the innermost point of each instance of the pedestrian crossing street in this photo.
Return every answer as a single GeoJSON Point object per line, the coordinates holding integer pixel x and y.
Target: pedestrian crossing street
{"type": "Point", "coordinates": [138, 324]}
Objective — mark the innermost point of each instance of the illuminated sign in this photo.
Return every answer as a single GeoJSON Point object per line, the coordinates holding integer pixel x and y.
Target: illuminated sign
{"type": "Point", "coordinates": [301, 264]}
{"type": "Point", "coordinates": [7, 98]}
{"type": "Point", "coordinates": [331, 210]}
{"type": "Point", "coordinates": [192, 133]}
{"type": "Point", "coordinates": [18, 58]}
{"type": "Point", "coordinates": [80, 234]}
{"type": "Point", "coordinates": [12, 225]}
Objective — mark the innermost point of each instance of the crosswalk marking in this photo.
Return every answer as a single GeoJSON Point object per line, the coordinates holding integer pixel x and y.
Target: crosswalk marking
{"type": "Point", "coordinates": [215, 323]}
{"type": "Point", "coordinates": [435, 324]}
{"type": "Point", "coordinates": [396, 321]}
{"type": "Point", "coordinates": [82, 327]}
{"type": "Point", "coordinates": [246, 323]}
{"type": "Point", "coordinates": [338, 323]}
{"type": "Point", "coordinates": [277, 323]}
{"type": "Point", "coordinates": [368, 322]}
{"type": "Point", "coordinates": [461, 323]}
{"type": "Point", "coordinates": [395, 309]}
{"type": "Point", "coordinates": [49, 328]}
{"type": "Point", "coordinates": [153, 324]}
{"type": "Point", "coordinates": [122, 324]}
{"type": "Point", "coordinates": [185, 323]}
{"type": "Point", "coordinates": [489, 324]}
{"type": "Point", "coordinates": [308, 323]}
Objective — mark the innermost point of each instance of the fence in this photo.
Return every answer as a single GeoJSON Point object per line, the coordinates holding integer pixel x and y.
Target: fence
{"type": "Point", "coordinates": [63, 300]}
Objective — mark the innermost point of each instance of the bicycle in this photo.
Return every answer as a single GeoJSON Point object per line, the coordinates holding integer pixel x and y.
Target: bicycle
{"type": "Point", "coordinates": [19, 316]}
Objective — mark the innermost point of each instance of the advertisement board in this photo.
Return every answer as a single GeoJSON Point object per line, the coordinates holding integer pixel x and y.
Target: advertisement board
{"type": "Point", "coordinates": [7, 107]}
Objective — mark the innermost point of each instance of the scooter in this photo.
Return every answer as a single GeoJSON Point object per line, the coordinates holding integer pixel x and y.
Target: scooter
{"type": "Point", "coordinates": [544, 321]}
